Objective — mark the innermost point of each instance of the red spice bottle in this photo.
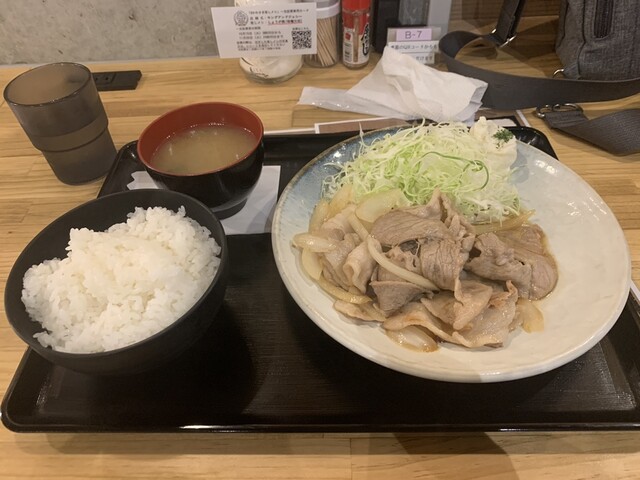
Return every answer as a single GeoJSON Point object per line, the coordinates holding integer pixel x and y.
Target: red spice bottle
{"type": "Point", "coordinates": [356, 32]}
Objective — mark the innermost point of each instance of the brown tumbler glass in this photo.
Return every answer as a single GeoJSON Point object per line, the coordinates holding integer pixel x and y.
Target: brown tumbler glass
{"type": "Point", "coordinates": [60, 110]}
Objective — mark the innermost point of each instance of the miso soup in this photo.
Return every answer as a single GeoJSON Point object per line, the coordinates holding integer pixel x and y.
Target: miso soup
{"type": "Point", "coordinates": [203, 148]}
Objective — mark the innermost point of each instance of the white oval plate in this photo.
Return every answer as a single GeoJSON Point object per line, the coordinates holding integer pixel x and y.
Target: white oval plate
{"type": "Point", "coordinates": [584, 236]}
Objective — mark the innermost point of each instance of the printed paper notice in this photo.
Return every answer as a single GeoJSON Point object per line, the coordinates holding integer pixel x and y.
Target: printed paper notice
{"type": "Point", "coordinates": [265, 30]}
{"type": "Point", "coordinates": [422, 51]}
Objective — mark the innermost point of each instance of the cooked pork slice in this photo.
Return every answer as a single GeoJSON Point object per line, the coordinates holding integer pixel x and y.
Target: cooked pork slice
{"type": "Point", "coordinates": [361, 312]}
{"type": "Point", "coordinates": [528, 245]}
{"type": "Point", "coordinates": [432, 210]}
{"type": "Point", "coordinates": [503, 300]}
{"type": "Point", "coordinates": [544, 274]}
{"type": "Point", "coordinates": [518, 255]}
{"type": "Point", "coordinates": [406, 259]}
{"type": "Point", "coordinates": [462, 232]}
{"type": "Point", "coordinates": [496, 261]}
{"type": "Point", "coordinates": [453, 218]}
{"type": "Point", "coordinates": [461, 306]}
{"type": "Point", "coordinates": [359, 266]}
{"type": "Point", "coordinates": [405, 255]}
{"type": "Point", "coordinates": [393, 295]}
{"type": "Point", "coordinates": [399, 226]}
{"type": "Point", "coordinates": [413, 313]}
{"type": "Point", "coordinates": [333, 261]}
{"type": "Point", "coordinates": [527, 237]}
{"type": "Point", "coordinates": [442, 261]}
{"type": "Point", "coordinates": [441, 208]}
{"type": "Point", "coordinates": [338, 225]}
{"type": "Point", "coordinates": [332, 276]}
{"type": "Point", "coordinates": [492, 327]}
{"type": "Point", "coordinates": [437, 327]}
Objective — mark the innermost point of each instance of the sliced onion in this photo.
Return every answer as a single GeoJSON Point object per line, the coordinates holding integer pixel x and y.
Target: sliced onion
{"type": "Point", "coordinates": [532, 318]}
{"type": "Point", "coordinates": [340, 293]}
{"type": "Point", "coordinates": [358, 227]}
{"type": "Point", "coordinates": [397, 270]}
{"type": "Point", "coordinates": [311, 263]}
{"type": "Point", "coordinates": [313, 243]}
{"type": "Point", "coordinates": [377, 204]}
{"type": "Point", "coordinates": [510, 223]}
{"type": "Point", "coordinates": [341, 199]}
{"type": "Point", "coordinates": [319, 216]}
{"type": "Point", "coordinates": [415, 338]}
{"type": "Point", "coordinates": [373, 312]}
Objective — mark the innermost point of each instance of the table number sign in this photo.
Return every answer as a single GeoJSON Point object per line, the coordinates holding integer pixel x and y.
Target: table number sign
{"type": "Point", "coordinates": [419, 42]}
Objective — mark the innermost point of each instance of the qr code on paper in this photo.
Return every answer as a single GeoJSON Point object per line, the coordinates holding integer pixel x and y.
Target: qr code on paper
{"type": "Point", "coordinates": [301, 39]}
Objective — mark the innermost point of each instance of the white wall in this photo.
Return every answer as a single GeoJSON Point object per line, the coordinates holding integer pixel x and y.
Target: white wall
{"type": "Point", "coordinates": [39, 31]}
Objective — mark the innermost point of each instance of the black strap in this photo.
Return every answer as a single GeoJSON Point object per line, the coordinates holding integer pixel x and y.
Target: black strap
{"type": "Point", "coordinates": [618, 133]}
{"type": "Point", "coordinates": [511, 92]}
{"type": "Point", "coordinates": [508, 20]}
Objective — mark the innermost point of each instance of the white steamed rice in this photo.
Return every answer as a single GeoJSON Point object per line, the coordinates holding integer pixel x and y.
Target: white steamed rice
{"type": "Point", "coordinates": [123, 285]}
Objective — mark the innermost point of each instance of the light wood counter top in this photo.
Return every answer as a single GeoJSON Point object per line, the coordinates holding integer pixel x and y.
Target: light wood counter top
{"type": "Point", "coordinates": [31, 197]}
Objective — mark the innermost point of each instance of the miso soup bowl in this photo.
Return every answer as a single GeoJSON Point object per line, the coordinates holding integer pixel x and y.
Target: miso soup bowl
{"type": "Point", "coordinates": [224, 190]}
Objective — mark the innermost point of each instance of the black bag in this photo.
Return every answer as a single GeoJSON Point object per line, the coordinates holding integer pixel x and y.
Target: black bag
{"type": "Point", "coordinates": [599, 39]}
{"type": "Point", "coordinates": [599, 44]}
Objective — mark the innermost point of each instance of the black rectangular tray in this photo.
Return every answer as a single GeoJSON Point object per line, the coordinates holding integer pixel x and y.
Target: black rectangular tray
{"type": "Point", "coordinates": [264, 366]}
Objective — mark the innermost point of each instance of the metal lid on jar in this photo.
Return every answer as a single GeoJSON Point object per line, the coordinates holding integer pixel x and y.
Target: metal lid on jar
{"type": "Point", "coordinates": [322, 3]}
{"type": "Point", "coordinates": [325, 8]}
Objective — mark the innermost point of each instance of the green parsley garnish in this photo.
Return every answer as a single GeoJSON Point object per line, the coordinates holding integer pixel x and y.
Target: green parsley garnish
{"type": "Point", "coordinates": [503, 136]}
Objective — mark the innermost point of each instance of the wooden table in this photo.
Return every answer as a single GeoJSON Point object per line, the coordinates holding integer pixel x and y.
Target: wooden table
{"type": "Point", "coordinates": [31, 197]}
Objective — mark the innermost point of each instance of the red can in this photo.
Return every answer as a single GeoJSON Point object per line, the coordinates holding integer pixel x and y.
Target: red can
{"type": "Point", "coordinates": [356, 32]}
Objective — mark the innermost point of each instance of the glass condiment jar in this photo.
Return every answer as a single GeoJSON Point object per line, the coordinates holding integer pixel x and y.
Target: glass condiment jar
{"type": "Point", "coordinates": [273, 69]}
{"type": "Point", "coordinates": [328, 33]}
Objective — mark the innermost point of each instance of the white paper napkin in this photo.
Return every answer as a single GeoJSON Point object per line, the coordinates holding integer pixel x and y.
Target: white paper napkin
{"type": "Point", "coordinates": [401, 87]}
{"type": "Point", "coordinates": [257, 214]}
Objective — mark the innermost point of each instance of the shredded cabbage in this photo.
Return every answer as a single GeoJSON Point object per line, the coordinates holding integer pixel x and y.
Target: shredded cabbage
{"type": "Point", "coordinates": [472, 166]}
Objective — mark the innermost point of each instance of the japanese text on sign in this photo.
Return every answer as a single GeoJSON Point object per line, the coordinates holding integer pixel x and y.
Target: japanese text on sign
{"type": "Point", "coordinates": [258, 31]}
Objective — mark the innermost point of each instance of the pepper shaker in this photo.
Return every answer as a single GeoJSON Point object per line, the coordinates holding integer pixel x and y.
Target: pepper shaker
{"type": "Point", "coordinates": [356, 32]}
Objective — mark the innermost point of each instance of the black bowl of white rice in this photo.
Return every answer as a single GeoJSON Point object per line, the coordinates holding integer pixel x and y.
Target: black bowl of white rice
{"type": "Point", "coordinates": [121, 284]}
